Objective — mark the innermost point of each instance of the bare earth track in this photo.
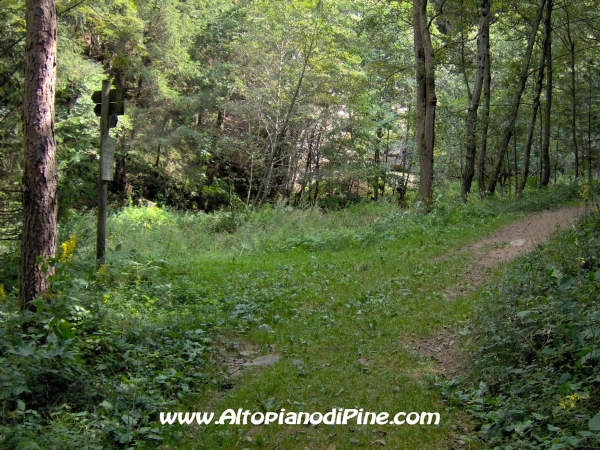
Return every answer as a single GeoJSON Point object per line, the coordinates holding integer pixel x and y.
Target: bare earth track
{"type": "Point", "coordinates": [487, 255]}
{"type": "Point", "coordinates": [522, 236]}
{"type": "Point", "coordinates": [501, 247]}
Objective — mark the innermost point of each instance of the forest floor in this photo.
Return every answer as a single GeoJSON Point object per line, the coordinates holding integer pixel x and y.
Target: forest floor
{"type": "Point", "coordinates": [289, 311]}
{"type": "Point", "coordinates": [369, 335]}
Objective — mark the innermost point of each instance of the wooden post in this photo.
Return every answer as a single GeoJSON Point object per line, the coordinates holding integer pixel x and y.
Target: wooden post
{"type": "Point", "coordinates": [102, 184]}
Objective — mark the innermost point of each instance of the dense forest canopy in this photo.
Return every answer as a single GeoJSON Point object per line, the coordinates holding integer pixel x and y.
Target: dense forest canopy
{"type": "Point", "coordinates": [244, 102]}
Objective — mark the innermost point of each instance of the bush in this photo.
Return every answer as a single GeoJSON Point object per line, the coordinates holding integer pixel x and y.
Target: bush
{"type": "Point", "coordinates": [102, 355]}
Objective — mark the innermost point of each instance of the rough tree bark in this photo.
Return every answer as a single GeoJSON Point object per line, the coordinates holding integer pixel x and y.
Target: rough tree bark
{"type": "Point", "coordinates": [545, 151]}
{"type": "Point", "coordinates": [482, 47]}
{"type": "Point", "coordinates": [39, 175]}
{"type": "Point", "coordinates": [426, 100]}
{"type": "Point", "coordinates": [485, 115]}
{"type": "Point", "coordinates": [517, 99]}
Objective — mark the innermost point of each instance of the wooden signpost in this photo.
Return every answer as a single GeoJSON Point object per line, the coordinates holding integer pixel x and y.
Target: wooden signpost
{"type": "Point", "coordinates": [109, 105]}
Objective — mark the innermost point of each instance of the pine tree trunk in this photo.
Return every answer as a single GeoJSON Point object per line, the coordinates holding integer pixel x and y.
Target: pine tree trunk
{"type": "Point", "coordinates": [40, 173]}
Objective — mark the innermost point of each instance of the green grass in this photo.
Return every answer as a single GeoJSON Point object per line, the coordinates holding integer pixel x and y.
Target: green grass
{"type": "Point", "coordinates": [333, 308]}
{"type": "Point", "coordinates": [343, 293]}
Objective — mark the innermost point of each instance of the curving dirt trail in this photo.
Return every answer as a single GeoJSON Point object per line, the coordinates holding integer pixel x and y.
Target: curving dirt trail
{"type": "Point", "coordinates": [506, 244]}
{"type": "Point", "coordinates": [521, 236]}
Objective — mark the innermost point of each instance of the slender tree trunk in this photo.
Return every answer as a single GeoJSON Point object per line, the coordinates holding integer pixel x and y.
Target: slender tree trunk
{"type": "Point", "coordinates": [574, 110]}
{"type": "Point", "coordinates": [534, 110]}
{"type": "Point", "coordinates": [218, 129]}
{"type": "Point", "coordinates": [426, 100]}
{"type": "Point", "coordinates": [307, 171]}
{"type": "Point", "coordinates": [517, 99]}
{"type": "Point", "coordinates": [545, 150]}
{"type": "Point", "coordinates": [159, 147]}
{"type": "Point", "coordinates": [157, 161]}
{"type": "Point", "coordinates": [318, 175]}
{"type": "Point", "coordinates": [485, 114]}
{"type": "Point", "coordinates": [515, 161]}
{"type": "Point", "coordinates": [40, 173]}
{"type": "Point", "coordinates": [571, 45]}
{"type": "Point", "coordinates": [263, 189]}
{"type": "Point", "coordinates": [406, 172]}
{"type": "Point", "coordinates": [589, 133]}
{"type": "Point", "coordinates": [376, 160]}
{"type": "Point", "coordinates": [385, 154]}
{"type": "Point", "coordinates": [250, 180]}
{"type": "Point", "coordinates": [483, 45]}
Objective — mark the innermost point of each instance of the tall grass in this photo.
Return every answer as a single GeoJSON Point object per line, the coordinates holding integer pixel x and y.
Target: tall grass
{"type": "Point", "coordinates": [160, 233]}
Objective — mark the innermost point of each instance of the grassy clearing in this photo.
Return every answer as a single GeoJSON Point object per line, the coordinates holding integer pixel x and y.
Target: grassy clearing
{"type": "Point", "coordinates": [337, 295]}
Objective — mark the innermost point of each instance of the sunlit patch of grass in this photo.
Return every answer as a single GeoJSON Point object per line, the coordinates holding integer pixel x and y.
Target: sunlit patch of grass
{"type": "Point", "coordinates": [337, 295]}
{"type": "Point", "coordinates": [355, 305]}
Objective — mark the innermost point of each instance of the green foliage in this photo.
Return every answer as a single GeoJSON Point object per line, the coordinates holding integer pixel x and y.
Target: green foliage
{"type": "Point", "coordinates": [102, 354]}
{"type": "Point", "coordinates": [107, 349]}
{"type": "Point", "coordinates": [536, 370]}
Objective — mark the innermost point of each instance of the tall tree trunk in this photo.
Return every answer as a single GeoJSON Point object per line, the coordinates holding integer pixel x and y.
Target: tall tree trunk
{"type": "Point", "coordinates": [482, 48]}
{"type": "Point", "coordinates": [517, 99]}
{"type": "Point", "coordinates": [545, 151]}
{"type": "Point", "coordinates": [305, 177]}
{"type": "Point", "coordinates": [39, 175]}
{"type": "Point", "coordinates": [568, 42]}
{"type": "Point", "coordinates": [318, 175]}
{"type": "Point", "coordinates": [534, 110]}
{"type": "Point", "coordinates": [574, 108]}
{"type": "Point", "coordinates": [485, 114]}
{"type": "Point", "coordinates": [426, 100]}
{"type": "Point", "coordinates": [263, 189]}
{"type": "Point", "coordinates": [589, 132]}
{"type": "Point", "coordinates": [376, 160]}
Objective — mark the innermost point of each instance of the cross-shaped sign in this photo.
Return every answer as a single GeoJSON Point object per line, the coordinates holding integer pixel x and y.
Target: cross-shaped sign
{"type": "Point", "coordinates": [116, 105]}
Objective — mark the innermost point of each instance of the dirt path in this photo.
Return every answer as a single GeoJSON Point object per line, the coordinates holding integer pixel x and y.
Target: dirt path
{"type": "Point", "coordinates": [506, 244]}
{"type": "Point", "coordinates": [521, 236]}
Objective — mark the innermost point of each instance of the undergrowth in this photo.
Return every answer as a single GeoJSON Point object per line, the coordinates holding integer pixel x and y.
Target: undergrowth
{"type": "Point", "coordinates": [535, 382]}
{"type": "Point", "coordinates": [110, 347]}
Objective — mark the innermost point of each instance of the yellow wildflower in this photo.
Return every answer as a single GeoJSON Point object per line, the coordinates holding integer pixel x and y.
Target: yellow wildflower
{"type": "Point", "coordinates": [570, 401]}
{"type": "Point", "coordinates": [68, 248]}
{"type": "Point", "coordinates": [2, 293]}
{"type": "Point", "coordinates": [102, 269]}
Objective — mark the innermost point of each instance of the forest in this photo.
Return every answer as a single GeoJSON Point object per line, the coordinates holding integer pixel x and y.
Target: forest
{"type": "Point", "coordinates": [294, 182]}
